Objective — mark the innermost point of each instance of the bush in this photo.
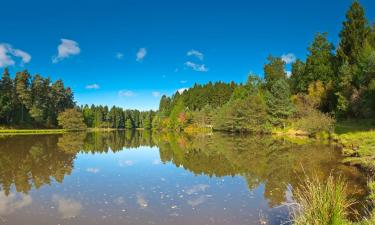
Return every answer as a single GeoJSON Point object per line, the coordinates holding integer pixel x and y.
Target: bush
{"type": "Point", "coordinates": [315, 122]}
{"type": "Point", "coordinates": [71, 119]}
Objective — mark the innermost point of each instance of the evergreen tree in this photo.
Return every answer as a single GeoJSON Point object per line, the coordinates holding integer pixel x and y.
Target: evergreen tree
{"type": "Point", "coordinates": [274, 70]}
{"type": "Point", "coordinates": [319, 62]}
{"type": "Point", "coordinates": [297, 79]}
{"type": "Point", "coordinates": [355, 31]}
{"type": "Point", "coordinates": [6, 97]}
{"type": "Point", "coordinates": [279, 104]}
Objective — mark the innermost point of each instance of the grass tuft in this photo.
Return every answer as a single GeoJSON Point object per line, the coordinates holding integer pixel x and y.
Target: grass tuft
{"type": "Point", "coordinates": [321, 203]}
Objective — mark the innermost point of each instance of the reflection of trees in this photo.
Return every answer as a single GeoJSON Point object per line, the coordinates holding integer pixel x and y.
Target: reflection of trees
{"type": "Point", "coordinates": [276, 163]}
{"type": "Point", "coordinates": [34, 160]}
{"type": "Point", "coordinates": [28, 161]}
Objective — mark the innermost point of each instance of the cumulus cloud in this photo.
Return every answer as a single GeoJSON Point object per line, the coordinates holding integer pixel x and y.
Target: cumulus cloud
{"type": "Point", "coordinates": [195, 53]}
{"type": "Point", "coordinates": [288, 58]}
{"type": "Point", "coordinates": [7, 52]}
{"type": "Point", "coordinates": [125, 93]}
{"type": "Point", "coordinates": [12, 202]}
{"type": "Point", "coordinates": [288, 73]}
{"type": "Point", "coordinates": [196, 67]}
{"type": "Point", "coordinates": [181, 90]}
{"type": "Point", "coordinates": [141, 54]}
{"type": "Point", "coordinates": [156, 94]}
{"type": "Point", "coordinates": [66, 49]}
{"type": "Point", "coordinates": [119, 55]}
{"type": "Point", "coordinates": [92, 86]}
{"type": "Point", "coordinates": [68, 208]}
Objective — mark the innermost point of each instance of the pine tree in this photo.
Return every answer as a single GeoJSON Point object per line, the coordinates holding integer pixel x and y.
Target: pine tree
{"type": "Point", "coordinates": [319, 62]}
{"type": "Point", "coordinates": [279, 104]}
{"type": "Point", "coordinates": [355, 31]}
{"type": "Point", "coordinates": [274, 70]}
{"type": "Point", "coordinates": [6, 97]}
{"type": "Point", "coordinates": [297, 80]}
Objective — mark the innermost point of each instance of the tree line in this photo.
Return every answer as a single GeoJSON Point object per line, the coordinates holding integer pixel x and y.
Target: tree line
{"type": "Point", "coordinates": [332, 82]}
{"type": "Point", "coordinates": [28, 101]}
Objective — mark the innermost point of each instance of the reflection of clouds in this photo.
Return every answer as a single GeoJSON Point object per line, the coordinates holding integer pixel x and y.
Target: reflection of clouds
{"type": "Point", "coordinates": [68, 208]}
{"type": "Point", "coordinates": [197, 201]}
{"type": "Point", "coordinates": [141, 201]}
{"type": "Point", "coordinates": [196, 188]}
{"type": "Point", "coordinates": [12, 202]}
{"type": "Point", "coordinates": [123, 163]}
{"type": "Point", "coordinates": [92, 170]}
{"type": "Point", "coordinates": [156, 162]}
{"type": "Point", "coordinates": [119, 201]}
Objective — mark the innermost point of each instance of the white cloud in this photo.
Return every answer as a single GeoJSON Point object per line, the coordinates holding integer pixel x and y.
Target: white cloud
{"type": "Point", "coordinates": [156, 94]}
{"type": "Point", "coordinates": [196, 188]}
{"type": "Point", "coordinates": [68, 208]}
{"type": "Point", "coordinates": [66, 49]}
{"type": "Point", "coordinates": [119, 55]}
{"type": "Point", "coordinates": [196, 67]}
{"type": "Point", "coordinates": [288, 73]}
{"type": "Point", "coordinates": [92, 86]}
{"type": "Point", "coordinates": [181, 90]}
{"type": "Point", "coordinates": [195, 53]}
{"type": "Point", "coordinates": [123, 163]}
{"type": "Point", "coordinates": [6, 53]}
{"type": "Point", "coordinates": [141, 54]}
{"type": "Point", "coordinates": [288, 58]}
{"type": "Point", "coordinates": [197, 201]}
{"type": "Point", "coordinates": [12, 202]}
{"type": "Point", "coordinates": [125, 93]}
{"type": "Point", "coordinates": [183, 81]}
{"type": "Point", "coordinates": [93, 170]}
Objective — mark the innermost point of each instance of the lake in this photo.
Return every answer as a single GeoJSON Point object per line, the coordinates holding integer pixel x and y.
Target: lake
{"type": "Point", "coordinates": [141, 178]}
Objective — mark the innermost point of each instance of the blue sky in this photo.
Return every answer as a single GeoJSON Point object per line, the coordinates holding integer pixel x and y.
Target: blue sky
{"type": "Point", "coordinates": [128, 52]}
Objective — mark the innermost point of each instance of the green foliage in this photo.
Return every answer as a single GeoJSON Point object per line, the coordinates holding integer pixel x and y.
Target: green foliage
{"type": "Point", "coordinates": [71, 119]}
{"type": "Point", "coordinates": [319, 62]}
{"type": "Point", "coordinates": [355, 31]}
{"type": "Point", "coordinates": [31, 101]}
{"type": "Point", "coordinates": [315, 122]}
{"type": "Point", "coordinates": [297, 80]}
{"type": "Point", "coordinates": [274, 70]}
{"type": "Point", "coordinates": [243, 115]}
{"type": "Point", "coordinates": [279, 103]}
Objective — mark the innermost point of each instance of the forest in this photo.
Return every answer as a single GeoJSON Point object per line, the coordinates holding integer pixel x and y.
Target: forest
{"type": "Point", "coordinates": [35, 102]}
{"type": "Point", "coordinates": [332, 83]}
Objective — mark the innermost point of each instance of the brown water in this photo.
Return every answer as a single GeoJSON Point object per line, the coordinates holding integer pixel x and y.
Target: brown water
{"type": "Point", "coordinates": [142, 178]}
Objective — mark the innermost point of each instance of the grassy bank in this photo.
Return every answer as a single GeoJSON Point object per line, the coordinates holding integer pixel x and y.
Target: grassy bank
{"type": "Point", "coordinates": [357, 141]}
{"type": "Point", "coordinates": [31, 131]}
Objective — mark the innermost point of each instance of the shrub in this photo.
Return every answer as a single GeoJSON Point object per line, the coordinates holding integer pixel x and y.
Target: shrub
{"type": "Point", "coordinates": [71, 119]}
{"type": "Point", "coordinates": [315, 122]}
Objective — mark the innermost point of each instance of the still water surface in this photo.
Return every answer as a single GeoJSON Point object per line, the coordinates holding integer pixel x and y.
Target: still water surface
{"type": "Point", "coordinates": [141, 178]}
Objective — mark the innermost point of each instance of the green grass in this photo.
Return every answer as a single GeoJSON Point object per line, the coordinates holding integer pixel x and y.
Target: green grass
{"type": "Point", "coordinates": [31, 131]}
{"type": "Point", "coordinates": [357, 139]}
{"type": "Point", "coordinates": [321, 203]}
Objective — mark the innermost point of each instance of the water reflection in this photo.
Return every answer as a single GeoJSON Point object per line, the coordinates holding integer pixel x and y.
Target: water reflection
{"type": "Point", "coordinates": [126, 185]}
